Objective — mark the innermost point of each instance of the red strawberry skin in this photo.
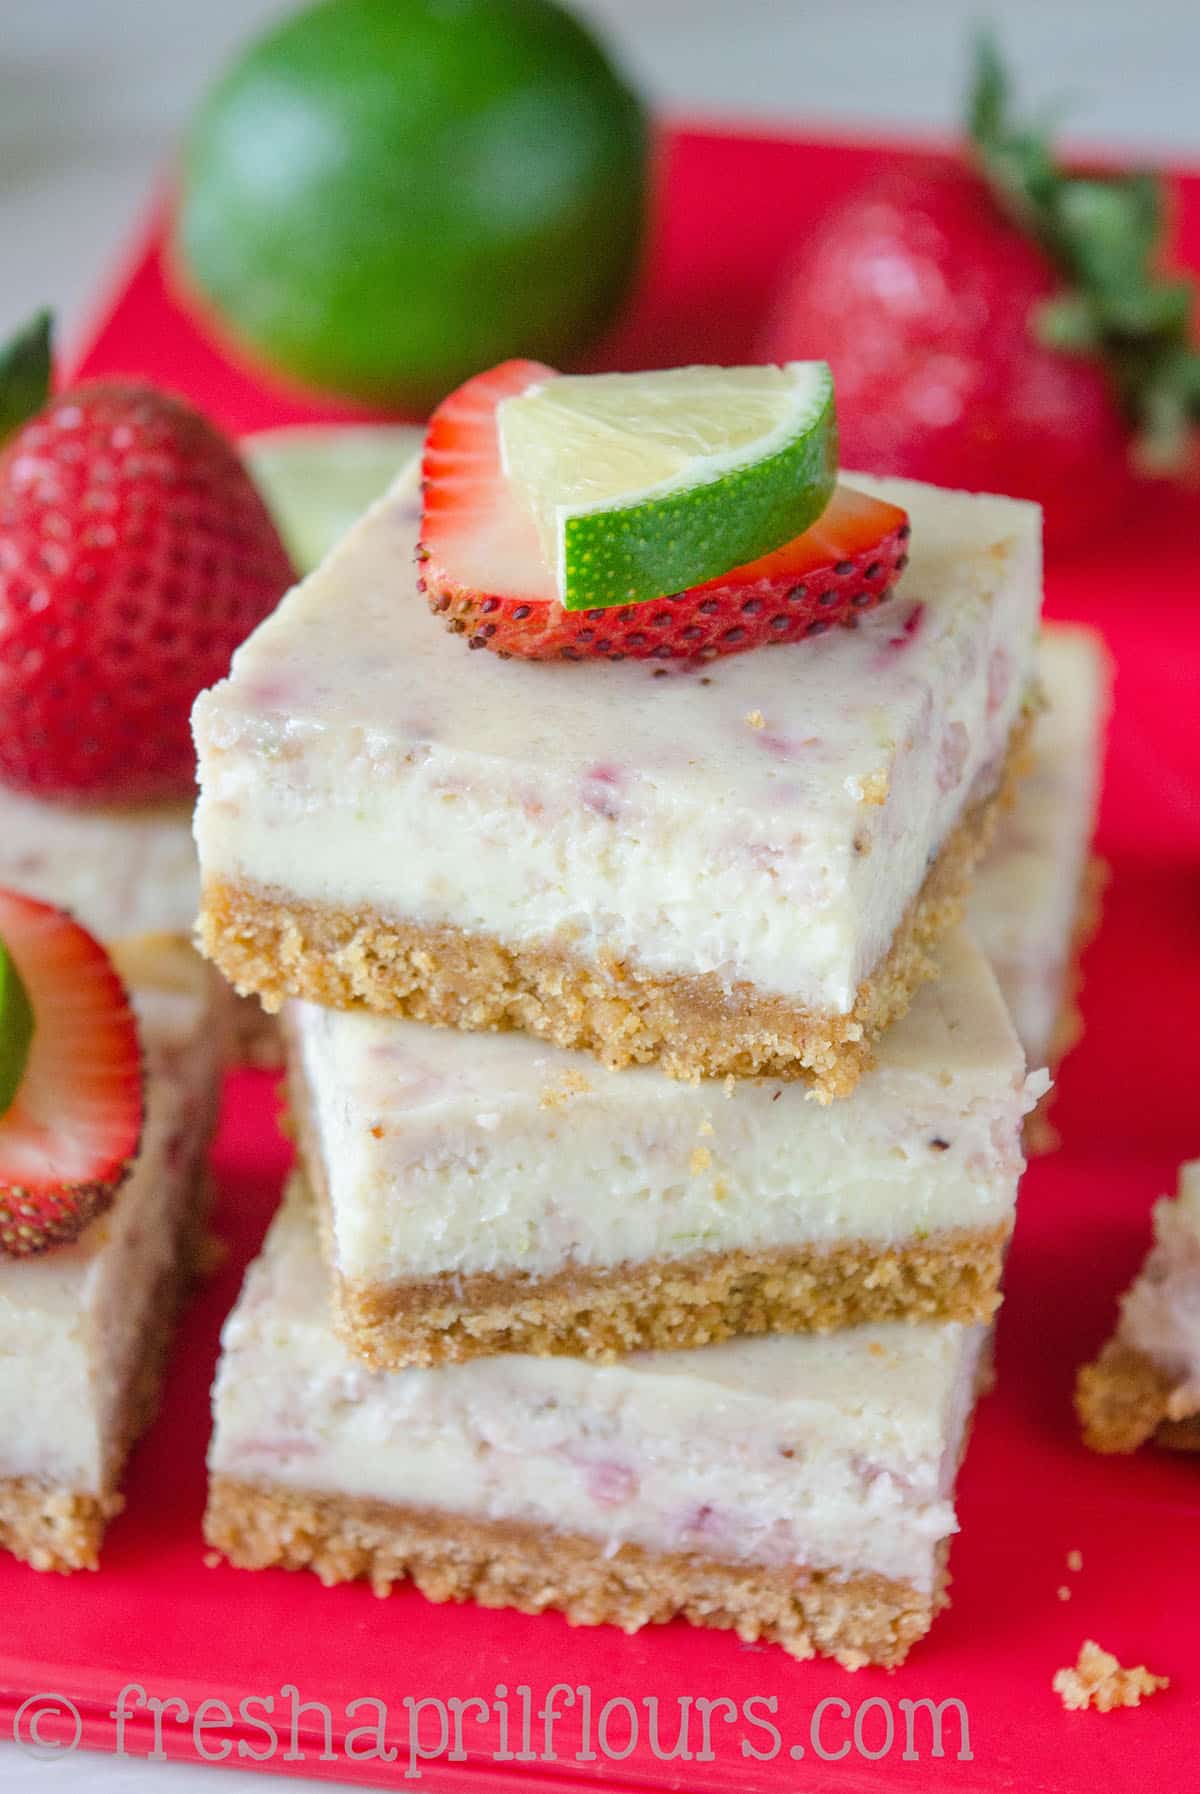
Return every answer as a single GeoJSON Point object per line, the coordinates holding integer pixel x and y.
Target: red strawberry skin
{"type": "Point", "coordinates": [135, 555]}
{"type": "Point", "coordinates": [71, 1134]}
{"type": "Point", "coordinates": [920, 294]}
{"type": "Point", "coordinates": [482, 571]}
{"type": "Point", "coordinates": [469, 521]}
{"type": "Point", "coordinates": [843, 566]}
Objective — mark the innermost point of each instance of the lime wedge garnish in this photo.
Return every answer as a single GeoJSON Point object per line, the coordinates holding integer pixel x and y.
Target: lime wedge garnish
{"type": "Point", "coordinates": [16, 1028]}
{"type": "Point", "coordinates": [641, 485]}
{"type": "Point", "coordinates": [318, 479]}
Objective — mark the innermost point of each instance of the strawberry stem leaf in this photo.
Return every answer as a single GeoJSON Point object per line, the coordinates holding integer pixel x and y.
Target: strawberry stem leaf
{"type": "Point", "coordinates": [1104, 235]}
{"type": "Point", "coordinates": [25, 373]}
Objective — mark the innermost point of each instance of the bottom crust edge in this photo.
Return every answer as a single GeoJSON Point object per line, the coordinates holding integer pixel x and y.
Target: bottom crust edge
{"type": "Point", "coordinates": [858, 1619]}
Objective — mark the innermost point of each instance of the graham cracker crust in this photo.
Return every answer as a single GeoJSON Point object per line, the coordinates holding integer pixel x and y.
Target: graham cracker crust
{"type": "Point", "coordinates": [671, 1304]}
{"type": "Point", "coordinates": [857, 1619]}
{"type": "Point", "coordinates": [55, 1528]}
{"type": "Point", "coordinates": [693, 1026]}
{"type": "Point", "coordinates": [1124, 1399]}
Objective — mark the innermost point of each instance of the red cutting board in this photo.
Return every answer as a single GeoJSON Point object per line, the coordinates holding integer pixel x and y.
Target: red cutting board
{"type": "Point", "coordinates": [1127, 1110]}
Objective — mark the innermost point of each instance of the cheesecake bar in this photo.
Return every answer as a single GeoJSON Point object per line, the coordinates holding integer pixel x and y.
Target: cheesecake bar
{"type": "Point", "coordinates": [727, 867]}
{"type": "Point", "coordinates": [790, 1488]}
{"type": "Point", "coordinates": [1146, 1382]}
{"type": "Point", "coordinates": [123, 871]}
{"type": "Point", "coordinates": [483, 1194]}
{"type": "Point", "coordinates": [85, 1328]}
{"type": "Point", "coordinates": [120, 870]}
{"type": "Point", "coordinates": [1036, 896]}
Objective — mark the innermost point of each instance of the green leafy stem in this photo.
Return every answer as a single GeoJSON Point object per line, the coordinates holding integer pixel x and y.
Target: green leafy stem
{"type": "Point", "coordinates": [1104, 234]}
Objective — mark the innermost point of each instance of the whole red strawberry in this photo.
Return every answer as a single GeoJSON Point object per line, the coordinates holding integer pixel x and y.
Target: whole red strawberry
{"type": "Point", "coordinates": [135, 555]}
{"type": "Point", "coordinates": [919, 293]}
{"type": "Point", "coordinates": [1001, 323]}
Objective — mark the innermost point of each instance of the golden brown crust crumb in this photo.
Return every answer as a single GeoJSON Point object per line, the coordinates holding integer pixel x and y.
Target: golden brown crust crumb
{"type": "Point", "coordinates": [1098, 1681]}
{"type": "Point", "coordinates": [857, 1619]}
{"type": "Point", "coordinates": [558, 1094]}
{"type": "Point", "coordinates": [692, 1026]}
{"type": "Point", "coordinates": [1124, 1399]}
{"type": "Point", "coordinates": [671, 1304]}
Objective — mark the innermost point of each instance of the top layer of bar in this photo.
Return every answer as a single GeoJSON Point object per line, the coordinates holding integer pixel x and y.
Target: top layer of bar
{"type": "Point", "coordinates": [764, 821]}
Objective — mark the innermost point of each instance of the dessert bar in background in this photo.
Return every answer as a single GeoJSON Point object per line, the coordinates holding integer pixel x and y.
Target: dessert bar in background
{"type": "Point", "coordinates": [1146, 1382]}
{"type": "Point", "coordinates": [121, 870]}
{"type": "Point", "coordinates": [728, 867]}
{"type": "Point", "coordinates": [798, 1489]}
{"type": "Point", "coordinates": [1036, 896]}
{"type": "Point", "coordinates": [484, 1194]}
{"type": "Point", "coordinates": [85, 1327]}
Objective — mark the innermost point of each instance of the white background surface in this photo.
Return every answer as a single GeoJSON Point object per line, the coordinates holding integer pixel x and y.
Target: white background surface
{"type": "Point", "coordinates": [93, 92]}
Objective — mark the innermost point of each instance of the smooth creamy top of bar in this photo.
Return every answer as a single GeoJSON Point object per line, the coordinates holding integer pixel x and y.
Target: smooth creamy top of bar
{"type": "Point", "coordinates": [1025, 904]}
{"type": "Point", "coordinates": [72, 1321]}
{"type": "Point", "coordinates": [767, 817]}
{"type": "Point", "coordinates": [449, 1152]}
{"type": "Point", "coordinates": [836, 1451]}
{"type": "Point", "coordinates": [120, 871]}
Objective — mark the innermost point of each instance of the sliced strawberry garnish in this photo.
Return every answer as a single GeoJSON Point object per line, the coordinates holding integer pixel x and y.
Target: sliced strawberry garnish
{"type": "Point", "coordinates": [483, 571]}
{"type": "Point", "coordinates": [471, 522]}
{"type": "Point", "coordinates": [71, 1133]}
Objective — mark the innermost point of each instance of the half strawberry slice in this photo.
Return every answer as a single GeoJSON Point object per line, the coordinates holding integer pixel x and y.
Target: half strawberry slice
{"type": "Point", "coordinates": [70, 1133]}
{"type": "Point", "coordinates": [482, 567]}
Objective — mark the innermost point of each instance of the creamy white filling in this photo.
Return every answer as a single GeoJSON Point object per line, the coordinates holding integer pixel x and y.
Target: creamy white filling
{"type": "Point", "coordinates": [835, 1452]}
{"type": "Point", "coordinates": [124, 871]}
{"type": "Point", "coordinates": [1160, 1314]}
{"type": "Point", "coordinates": [683, 819]}
{"type": "Point", "coordinates": [1025, 903]}
{"type": "Point", "coordinates": [73, 1321]}
{"type": "Point", "coordinates": [445, 1152]}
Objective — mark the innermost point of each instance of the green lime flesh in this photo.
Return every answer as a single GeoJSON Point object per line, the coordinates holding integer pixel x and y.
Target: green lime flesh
{"type": "Point", "coordinates": [668, 544]}
{"type": "Point", "coordinates": [382, 197]}
{"type": "Point", "coordinates": [16, 1029]}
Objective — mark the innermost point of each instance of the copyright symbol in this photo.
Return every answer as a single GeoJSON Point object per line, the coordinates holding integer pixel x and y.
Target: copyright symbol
{"type": "Point", "coordinates": [42, 1715]}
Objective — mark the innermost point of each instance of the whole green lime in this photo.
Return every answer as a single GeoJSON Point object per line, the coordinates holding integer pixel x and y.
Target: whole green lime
{"type": "Point", "coordinates": [384, 196]}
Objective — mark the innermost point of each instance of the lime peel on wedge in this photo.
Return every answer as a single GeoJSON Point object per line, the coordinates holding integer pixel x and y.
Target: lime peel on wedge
{"type": "Point", "coordinates": [642, 485]}
{"type": "Point", "coordinates": [16, 1029]}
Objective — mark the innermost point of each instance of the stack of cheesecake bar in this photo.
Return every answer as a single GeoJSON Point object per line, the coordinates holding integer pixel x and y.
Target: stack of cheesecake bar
{"type": "Point", "coordinates": [657, 1277]}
